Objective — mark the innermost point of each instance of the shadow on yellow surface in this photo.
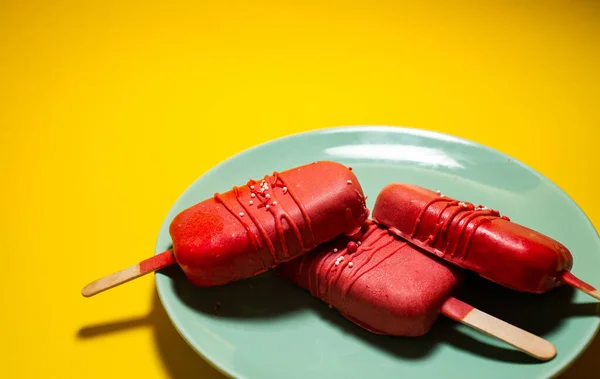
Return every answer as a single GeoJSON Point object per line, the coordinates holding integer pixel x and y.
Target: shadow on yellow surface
{"type": "Point", "coordinates": [178, 358]}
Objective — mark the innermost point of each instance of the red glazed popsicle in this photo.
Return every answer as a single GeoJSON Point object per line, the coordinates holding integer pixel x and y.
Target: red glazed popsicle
{"type": "Point", "coordinates": [477, 239]}
{"type": "Point", "coordinates": [250, 229]}
{"type": "Point", "coordinates": [390, 287]}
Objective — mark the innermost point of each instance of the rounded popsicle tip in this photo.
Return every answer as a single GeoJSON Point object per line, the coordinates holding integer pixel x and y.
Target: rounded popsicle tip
{"type": "Point", "coordinates": [544, 351]}
{"type": "Point", "coordinates": [97, 286]}
{"type": "Point", "coordinates": [87, 291]}
{"type": "Point", "coordinates": [92, 289]}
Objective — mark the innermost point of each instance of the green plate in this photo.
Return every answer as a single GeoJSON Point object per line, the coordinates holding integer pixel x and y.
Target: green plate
{"type": "Point", "coordinates": [264, 327]}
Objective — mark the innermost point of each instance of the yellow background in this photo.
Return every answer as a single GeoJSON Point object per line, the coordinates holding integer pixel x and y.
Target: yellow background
{"type": "Point", "coordinates": [109, 111]}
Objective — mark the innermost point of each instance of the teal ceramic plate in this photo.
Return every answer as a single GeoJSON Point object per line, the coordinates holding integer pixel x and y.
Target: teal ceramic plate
{"type": "Point", "coordinates": [264, 327]}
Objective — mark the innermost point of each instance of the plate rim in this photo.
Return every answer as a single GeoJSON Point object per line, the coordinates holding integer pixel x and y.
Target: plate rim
{"type": "Point", "coordinates": [231, 372]}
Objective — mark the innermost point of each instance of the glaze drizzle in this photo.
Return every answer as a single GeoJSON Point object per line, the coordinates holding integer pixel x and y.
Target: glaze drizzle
{"type": "Point", "coordinates": [255, 242]}
{"type": "Point", "coordinates": [280, 214]}
{"type": "Point", "coordinates": [280, 181]}
{"type": "Point", "coordinates": [423, 211]}
{"type": "Point", "coordinates": [263, 195]}
{"type": "Point", "coordinates": [465, 219]}
{"type": "Point", "coordinates": [324, 274]}
{"type": "Point", "coordinates": [261, 230]}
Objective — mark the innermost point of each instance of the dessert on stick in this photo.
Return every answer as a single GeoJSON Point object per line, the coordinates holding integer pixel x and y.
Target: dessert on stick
{"type": "Point", "coordinates": [388, 286]}
{"type": "Point", "coordinates": [477, 238]}
{"type": "Point", "coordinates": [252, 228]}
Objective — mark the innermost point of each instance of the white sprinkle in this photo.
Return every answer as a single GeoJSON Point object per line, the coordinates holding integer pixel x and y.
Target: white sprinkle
{"type": "Point", "coordinates": [241, 214]}
{"type": "Point", "coordinates": [252, 194]}
{"type": "Point", "coordinates": [251, 202]}
{"type": "Point", "coordinates": [335, 250]}
{"type": "Point", "coordinates": [267, 206]}
{"type": "Point", "coordinates": [349, 181]}
{"type": "Point", "coordinates": [252, 187]}
{"type": "Point", "coordinates": [350, 264]}
{"type": "Point", "coordinates": [438, 192]}
{"type": "Point", "coordinates": [284, 189]}
{"type": "Point", "coordinates": [341, 257]}
{"type": "Point", "coordinates": [274, 203]}
{"type": "Point", "coordinates": [337, 263]}
{"type": "Point", "coordinates": [267, 196]}
{"type": "Point", "coordinates": [266, 187]}
{"type": "Point", "coordinates": [358, 243]}
{"type": "Point", "coordinates": [461, 204]}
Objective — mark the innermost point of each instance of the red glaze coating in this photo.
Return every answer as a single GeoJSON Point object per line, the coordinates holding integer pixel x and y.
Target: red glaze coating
{"type": "Point", "coordinates": [387, 286]}
{"type": "Point", "coordinates": [226, 238]}
{"type": "Point", "coordinates": [475, 238]}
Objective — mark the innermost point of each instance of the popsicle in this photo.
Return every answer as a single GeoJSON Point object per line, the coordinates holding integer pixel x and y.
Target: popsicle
{"type": "Point", "coordinates": [250, 229]}
{"type": "Point", "coordinates": [387, 286]}
{"type": "Point", "coordinates": [478, 239]}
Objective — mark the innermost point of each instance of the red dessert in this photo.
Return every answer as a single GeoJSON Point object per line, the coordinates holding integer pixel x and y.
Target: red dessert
{"type": "Point", "coordinates": [475, 238]}
{"type": "Point", "coordinates": [250, 229]}
{"type": "Point", "coordinates": [387, 286]}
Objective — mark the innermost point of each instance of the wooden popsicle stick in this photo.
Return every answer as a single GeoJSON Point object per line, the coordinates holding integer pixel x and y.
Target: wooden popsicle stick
{"type": "Point", "coordinates": [164, 259]}
{"type": "Point", "coordinates": [529, 343]}
{"type": "Point", "coordinates": [574, 281]}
